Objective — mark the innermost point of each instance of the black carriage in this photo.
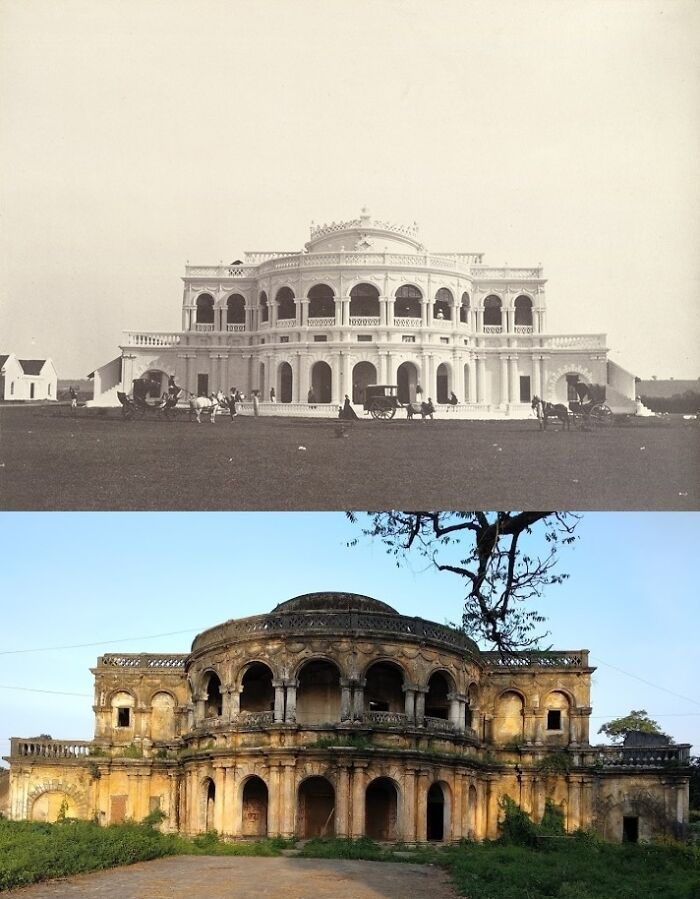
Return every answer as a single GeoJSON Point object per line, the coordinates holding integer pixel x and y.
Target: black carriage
{"type": "Point", "coordinates": [382, 400]}
{"type": "Point", "coordinates": [137, 405]}
{"type": "Point", "coordinates": [590, 410]}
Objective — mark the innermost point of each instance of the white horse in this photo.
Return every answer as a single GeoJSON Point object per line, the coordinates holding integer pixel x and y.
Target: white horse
{"type": "Point", "coordinates": [210, 404]}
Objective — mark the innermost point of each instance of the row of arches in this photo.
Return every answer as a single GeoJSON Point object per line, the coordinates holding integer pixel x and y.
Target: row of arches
{"type": "Point", "coordinates": [364, 303]}
{"type": "Point", "coordinates": [316, 808]}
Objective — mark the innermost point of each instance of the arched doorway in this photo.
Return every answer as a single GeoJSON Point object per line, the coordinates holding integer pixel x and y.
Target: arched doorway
{"type": "Point", "coordinates": [381, 806]}
{"type": "Point", "coordinates": [235, 310]}
{"type": "Point", "coordinates": [316, 808]}
{"type": "Point", "coordinates": [442, 308]}
{"type": "Point", "coordinates": [363, 374]}
{"type": "Point", "coordinates": [254, 810]}
{"type": "Point", "coordinates": [286, 379]}
{"type": "Point", "coordinates": [52, 806]}
{"type": "Point", "coordinates": [492, 312]}
{"type": "Point", "coordinates": [321, 382]}
{"type": "Point", "coordinates": [523, 311]}
{"type": "Point", "coordinates": [209, 797]}
{"type": "Point", "coordinates": [214, 701]}
{"type": "Point", "coordinates": [384, 688]}
{"type": "Point", "coordinates": [443, 383]}
{"type": "Point", "coordinates": [407, 302]}
{"type": "Point", "coordinates": [318, 693]}
{"type": "Point", "coordinates": [437, 809]}
{"type": "Point", "coordinates": [407, 380]}
{"type": "Point", "coordinates": [286, 305]}
{"type": "Point", "coordinates": [162, 717]}
{"type": "Point", "coordinates": [437, 704]}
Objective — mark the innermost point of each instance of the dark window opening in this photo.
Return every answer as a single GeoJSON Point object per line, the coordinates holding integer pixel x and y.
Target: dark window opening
{"type": "Point", "coordinates": [554, 719]}
{"type": "Point", "coordinates": [630, 829]}
{"type": "Point", "coordinates": [320, 338]}
{"type": "Point", "coordinates": [525, 396]}
{"type": "Point", "coordinates": [378, 706]}
{"type": "Point", "coordinates": [571, 393]}
{"type": "Point", "coordinates": [436, 813]}
{"type": "Point", "coordinates": [123, 717]}
{"type": "Point", "coordinates": [202, 385]}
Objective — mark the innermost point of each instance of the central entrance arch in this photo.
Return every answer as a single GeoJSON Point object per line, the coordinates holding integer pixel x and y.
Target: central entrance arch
{"type": "Point", "coordinates": [254, 811]}
{"type": "Point", "coordinates": [363, 373]}
{"type": "Point", "coordinates": [407, 381]}
{"type": "Point", "coordinates": [322, 381]}
{"type": "Point", "coordinates": [381, 804]}
{"type": "Point", "coordinates": [437, 811]}
{"type": "Point", "coordinates": [316, 808]}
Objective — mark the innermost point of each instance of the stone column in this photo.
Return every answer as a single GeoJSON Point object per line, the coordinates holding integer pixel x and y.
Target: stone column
{"type": "Point", "coordinates": [481, 379]}
{"type": "Point", "coordinates": [272, 307]}
{"type": "Point", "coordinates": [424, 307]}
{"type": "Point", "coordinates": [358, 700]}
{"type": "Point", "coordinates": [422, 806]}
{"type": "Point", "coordinates": [249, 318]}
{"type": "Point", "coordinates": [539, 725]}
{"type": "Point", "coordinates": [543, 378]}
{"type": "Point", "coordinates": [390, 311]}
{"type": "Point", "coordinates": [338, 308]}
{"type": "Point", "coordinates": [536, 382]}
{"type": "Point", "coordinates": [289, 799]}
{"type": "Point", "coordinates": [383, 368]}
{"type": "Point", "coordinates": [235, 702]}
{"type": "Point", "coordinates": [290, 715]}
{"type": "Point", "coordinates": [529, 724]}
{"type": "Point", "coordinates": [409, 702]}
{"type": "Point", "coordinates": [409, 805]}
{"type": "Point", "coordinates": [514, 380]}
{"type": "Point", "coordinates": [219, 798]}
{"type": "Point", "coordinates": [303, 312]}
{"type": "Point", "coordinates": [335, 381]}
{"type": "Point", "coordinates": [493, 810]}
{"type": "Point", "coordinates": [345, 700]}
{"type": "Point", "coordinates": [456, 825]}
{"type": "Point", "coordinates": [279, 702]}
{"type": "Point", "coordinates": [454, 700]}
{"type": "Point", "coordinates": [420, 705]}
{"type": "Point", "coordinates": [573, 817]}
{"type": "Point", "coordinates": [481, 809]}
{"type": "Point", "coordinates": [586, 808]}
{"type": "Point", "coordinates": [230, 825]}
{"type": "Point", "coordinates": [273, 801]}
{"type": "Point", "coordinates": [358, 799]}
{"type": "Point", "coordinates": [303, 377]}
{"type": "Point", "coordinates": [383, 320]}
{"type": "Point", "coordinates": [342, 797]}
{"type": "Point", "coordinates": [504, 379]}
{"type": "Point", "coordinates": [346, 377]}
{"type": "Point", "coordinates": [458, 378]}
{"type": "Point", "coordinates": [345, 311]}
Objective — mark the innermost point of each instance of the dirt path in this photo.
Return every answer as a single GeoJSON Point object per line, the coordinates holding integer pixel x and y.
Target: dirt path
{"type": "Point", "coordinates": [189, 877]}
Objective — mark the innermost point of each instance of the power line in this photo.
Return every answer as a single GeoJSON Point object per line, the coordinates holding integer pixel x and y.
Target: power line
{"type": "Point", "coordinates": [647, 682]}
{"type": "Point", "coordinates": [36, 690]}
{"type": "Point", "coordinates": [9, 652]}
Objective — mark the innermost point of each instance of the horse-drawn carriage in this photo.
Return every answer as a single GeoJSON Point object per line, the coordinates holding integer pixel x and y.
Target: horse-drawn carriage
{"type": "Point", "coordinates": [138, 406]}
{"type": "Point", "coordinates": [382, 401]}
{"type": "Point", "coordinates": [588, 412]}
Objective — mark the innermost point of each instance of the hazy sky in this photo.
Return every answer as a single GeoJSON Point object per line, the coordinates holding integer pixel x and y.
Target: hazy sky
{"type": "Point", "coordinates": [116, 581]}
{"type": "Point", "coordinates": [137, 134]}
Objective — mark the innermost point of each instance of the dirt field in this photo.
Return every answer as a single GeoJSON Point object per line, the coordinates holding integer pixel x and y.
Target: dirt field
{"type": "Point", "coordinates": [49, 460]}
{"type": "Point", "coordinates": [190, 877]}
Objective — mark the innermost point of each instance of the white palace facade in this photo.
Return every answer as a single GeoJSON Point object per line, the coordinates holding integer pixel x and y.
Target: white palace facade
{"type": "Point", "coordinates": [363, 303]}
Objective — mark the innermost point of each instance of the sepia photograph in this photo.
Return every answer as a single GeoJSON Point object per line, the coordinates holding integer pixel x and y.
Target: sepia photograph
{"type": "Point", "coordinates": [349, 449]}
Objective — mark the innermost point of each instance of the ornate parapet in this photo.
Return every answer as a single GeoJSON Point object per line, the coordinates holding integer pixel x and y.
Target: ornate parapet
{"type": "Point", "coordinates": [21, 748]}
{"type": "Point", "coordinates": [652, 757]}
{"type": "Point", "coordinates": [142, 660]}
{"type": "Point", "coordinates": [559, 659]}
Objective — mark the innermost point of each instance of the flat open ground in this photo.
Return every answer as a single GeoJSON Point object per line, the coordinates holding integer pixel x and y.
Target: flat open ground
{"type": "Point", "coordinates": [49, 460]}
{"type": "Point", "coordinates": [219, 877]}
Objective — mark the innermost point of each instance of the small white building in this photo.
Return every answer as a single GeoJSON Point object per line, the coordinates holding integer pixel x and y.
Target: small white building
{"type": "Point", "coordinates": [27, 379]}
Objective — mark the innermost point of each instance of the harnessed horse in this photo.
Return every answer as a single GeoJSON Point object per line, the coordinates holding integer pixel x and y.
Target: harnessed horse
{"type": "Point", "coordinates": [210, 404]}
{"type": "Point", "coordinates": [544, 410]}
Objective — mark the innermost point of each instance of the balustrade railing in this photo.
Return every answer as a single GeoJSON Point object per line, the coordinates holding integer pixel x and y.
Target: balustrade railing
{"type": "Point", "coordinates": [199, 326]}
{"type": "Point", "coordinates": [235, 327]}
{"type": "Point", "coordinates": [554, 659]}
{"type": "Point", "coordinates": [408, 321]}
{"type": "Point", "coordinates": [220, 271]}
{"type": "Point", "coordinates": [439, 724]}
{"type": "Point", "coordinates": [151, 338]}
{"type": "Point", "coordinates": [523, 329]}
{"type": "Point", "coordinates": [256, 719]}
{"type": "Point", "coordinates": [286, 323]}
{"type": "Point", "coordinates": [388, 719]}
{"type": "Point", "coordinates": [142, 660]}
{"type": "Point", "coordinates": [653, 757]}
{"type": "Point", "coordinates": [573, 340]}
{"type": "Point", "coordinates": [493, 329]}
{"type": "Point", "coordinates": [364, 321]}
{"type": "Point", "coordinates": [49, 749]}
{"type": "Point", "coordinates": [322, 321]}
{"type": "Point", "coordinates": [500, 272]}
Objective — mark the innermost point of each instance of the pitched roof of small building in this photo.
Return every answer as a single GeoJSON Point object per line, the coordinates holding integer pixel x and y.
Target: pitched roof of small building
{"type": "Point", "coordinates": [32, 366]}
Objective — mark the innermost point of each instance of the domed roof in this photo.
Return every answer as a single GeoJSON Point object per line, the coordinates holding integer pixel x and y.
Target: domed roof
{"type": "Point", "coordinates": [332, 601]}
{"type": "Point", "coordinates": [364, 234]}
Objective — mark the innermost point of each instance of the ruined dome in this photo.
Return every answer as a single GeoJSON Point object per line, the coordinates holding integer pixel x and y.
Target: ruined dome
{"type": "Point", "coordinates": [336, 602]}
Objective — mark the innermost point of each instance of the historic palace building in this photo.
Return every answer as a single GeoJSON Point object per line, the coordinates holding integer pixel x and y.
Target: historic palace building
{"type": "Point", "coordinates": [365, 303]}
{"type": "Point", "coordinates": [336, 715]}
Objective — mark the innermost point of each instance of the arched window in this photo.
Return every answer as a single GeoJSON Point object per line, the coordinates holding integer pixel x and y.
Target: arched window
{"type": "Point", "coordinates": [214, 701]}
{"type": "Point", "coordinates": [558, 716]}
{"type": "Point", "coordinates": [264, 309]}
{"type": "Point", "coordinates": [286, 307]}
{"type": "Point", "coordinates": [254, 808]}
{"type": "Point", "coordinates": [162, 717]}
{"type": "Point", "coordinates": [364, 301]}
{"type": "Point", "coordinates": [257, 694]}
{"type": "Point", "coordinates": [492, 311]}
{"type": "Point", "coordinates": [205, 309]}
{"type": "Point", "coordinates": [508, 719]}
{"type": "Point", "coordinates": [437, 705]}
{"type": "Point", "coordinates": [384, 688]}
{"type": "Point", "coordinates": [209, 800]}
{"type": "Point", "coordinates": [321, 302]}
{"type": "Point", "coordinates": [523, 311]}
{"type": "Point", "coordinates": [123, 711]}
{"type": "Point", "coordinates": [407, 302]}
{"type": "Point", "coordinates": [442, 308]}
{"type": "Point", "coordinates": [381, 809]}
{"type": "Point", "coordinates": [316, 804]}
{"type": "Point", "coordinates": [318, 693]}
{"type": "Point", "coordinates": [235, 310]}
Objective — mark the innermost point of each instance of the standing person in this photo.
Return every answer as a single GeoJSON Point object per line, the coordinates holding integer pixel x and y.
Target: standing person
{"type": "Point", "coordinates": [256, 404]}
{"type": "Point", "coordinates": [73, 393]}
{"type": "Point", "coordinates": [453, 399]}
{"type": "Point", "coordinates": [347, 412]}
{"type": "Point", "coordinates": [232, 403]}
{"type": "Point", "coordinates": [311, 398]}
{"type": "Point", "coordinates": [272, 395]}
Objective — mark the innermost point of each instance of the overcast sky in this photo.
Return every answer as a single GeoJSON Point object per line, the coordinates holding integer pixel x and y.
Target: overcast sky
{"type": "Point", "coordinates": [116, 581]}
{"type": "Point", "coordinates": [137, 134]}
